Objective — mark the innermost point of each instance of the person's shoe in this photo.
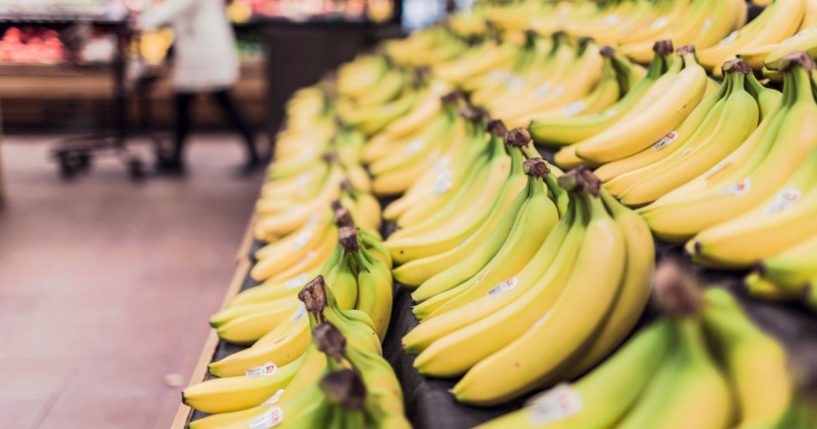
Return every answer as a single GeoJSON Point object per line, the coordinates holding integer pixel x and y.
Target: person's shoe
{"type": "Point", "coordinates": [170, 166]}
{"type": "Point", "coordinates": [249, 168]}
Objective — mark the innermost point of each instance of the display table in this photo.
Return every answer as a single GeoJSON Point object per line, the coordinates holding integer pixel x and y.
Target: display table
{"type": "Point", "coordinates": [429, 405]}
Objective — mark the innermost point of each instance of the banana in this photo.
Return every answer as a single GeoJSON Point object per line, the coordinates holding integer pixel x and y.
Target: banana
{"type": "Point", "coordinates": [248, 328]}
{"type": "Point", "coordinates": [489, 56]}
{"type": "Point", "coordinates": [636, 133]}
{"type": "Point", "coordinates": [360, 74]}
{"type": "Point", "coordinates": [674, 218]}
{"type": "Point", "coordinates": [427, 107]}
{"type": "Point", "coordinates": [531, 360]}
{"type": "Point", "coordinates": [386, 89]}
{"type": "Point", "coordinates": [282, 350]}
{"type": "Point", "coordinates": [601, 398]}
{"type": "Point", "coordinates": [756, 363]}
{"type": "Point", "coordinates": [375, 295]}
{"type": "Point", "coordinates": [223, 395]}
{"type": "Point", "coordinates": [283, 254]}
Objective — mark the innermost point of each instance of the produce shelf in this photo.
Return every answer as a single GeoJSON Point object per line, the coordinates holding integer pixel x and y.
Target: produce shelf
{"type": "Point", "coordinates": [428, 403]}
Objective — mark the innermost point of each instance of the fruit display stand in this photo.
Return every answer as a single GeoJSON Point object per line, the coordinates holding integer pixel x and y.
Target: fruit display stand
{"type": "Point", "coordinates": [428, 401]}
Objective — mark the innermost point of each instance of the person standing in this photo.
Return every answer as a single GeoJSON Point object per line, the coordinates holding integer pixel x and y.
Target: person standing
{"type": "Point", "coordinates": [205, 62]}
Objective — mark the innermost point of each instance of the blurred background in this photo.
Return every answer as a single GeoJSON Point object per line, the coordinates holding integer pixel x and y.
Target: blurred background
{"type": "Point", "coordinates": [113, 240]}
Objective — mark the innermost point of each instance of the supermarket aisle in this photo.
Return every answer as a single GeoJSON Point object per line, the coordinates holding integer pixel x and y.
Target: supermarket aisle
{"type": "Point", "coordinates": [93, 294]}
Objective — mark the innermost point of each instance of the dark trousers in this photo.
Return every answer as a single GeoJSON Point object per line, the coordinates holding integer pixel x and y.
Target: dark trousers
{"type": "Point", "coordinates": [230, 111]}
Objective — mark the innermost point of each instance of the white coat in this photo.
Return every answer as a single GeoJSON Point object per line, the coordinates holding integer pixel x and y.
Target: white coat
{"type": "Point", "coordinates": [205, 52]}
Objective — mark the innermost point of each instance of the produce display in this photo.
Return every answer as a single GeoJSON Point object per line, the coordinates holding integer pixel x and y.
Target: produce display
{"type": "Point", "coordinates": [31, 46]}
{"type": "Point", "coordinates": [511, 168]}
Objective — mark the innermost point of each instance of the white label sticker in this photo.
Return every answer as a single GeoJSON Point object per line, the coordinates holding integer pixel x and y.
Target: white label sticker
{"type": "Point", "coordinates": [270, 419]}
{"type": "Point", "coordinates": [504, 286]}
{"type": "Point", "coordinates": [302, 239]}
{"type": "Point", "coordinates": [611, 19]}
{"type": "Point", "coordinates": [413, 147]}
{"type": "Point", "coordinates": [784, 200]}
{"type": "Point", "coordinates": [658, 23]}
{"type": "Point", "coordinates": [274, 398]}
{"type": "Point", "coordinates": [717, 168]}
{"type": "Point", "coordinates": [264, 370]}
{"type": "Point", "coordinates": [574, 108]}
{"type": "Point", "coordinates": [729, 39]}
{"type": "Point", "coordinates": [666, 140]}
{"type": "Point", "coordinates": [610, 113]}
{"type": "Point", "coordinates": [542, 91]}
{"type": "Point", "coordinates": [440, 165]}
{"type": "Point", "coordinates": [515, 83]}
{"type": "Point", "coordinates": [558, 403]}
{"type": "Point", "coordinates": [296, 282]}
{"type": "Point", "coordinates": [501, 76]}
{"type": "Point", "coordinates": [741, 188]}
{"type": "Point", "coordinates": [442, 185]}
{"type": "Point", "coordinates": [299, 313]}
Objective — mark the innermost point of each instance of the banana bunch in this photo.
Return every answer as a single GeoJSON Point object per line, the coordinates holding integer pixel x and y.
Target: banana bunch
{"type": "Point", "coordinates": [412, 145]}
{"type": "Point", "coordinates": [618, 76]}
{"type": "Point", "coordinates": [441, 224]}
{"type": "Point", "coordinates": [749, 185]}
{"type": "Point", "coordinates": [484, 57]}
{"type": "Point", "coordinates": [718, 125]}
{"type": "Point", "coordinates": [568, 74]}
{"type": "Point", "coordinates": [426, 47]}
{"type": "Point", "coordinates": [359, 270]}
{"type": "Point", "coordinates": [704, 364]}
{"type": "Point", "coordinates": [803, 40]}
{"type": "Point", "coordinates": [302, 186]}
{"type": "Point", "coordinates": [779, 21]}
{"type": "Point", "coordinates": [340, 378]}
{"type": "Point", "coordinates": [669, 100]}
{"type": "Point", "coordinates": [699, 23]}
{"type": "Point", "coordinates": [565, 131]}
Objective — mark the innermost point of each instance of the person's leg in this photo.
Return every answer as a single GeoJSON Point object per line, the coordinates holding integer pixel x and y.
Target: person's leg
{"type": "Point", "coordinates": [183, 102]}
{"type": "Point", "coordinates": [236, 118]}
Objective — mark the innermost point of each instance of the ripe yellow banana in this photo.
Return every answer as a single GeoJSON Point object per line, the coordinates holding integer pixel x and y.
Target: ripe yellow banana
{"type": "Point", "coordinates": [638, 132]}
{"type": "Point", "coordinates": [601, 398]}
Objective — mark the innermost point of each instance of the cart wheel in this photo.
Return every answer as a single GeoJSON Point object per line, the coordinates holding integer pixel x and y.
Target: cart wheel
{"type": "Point", "coordinates": [136, 169]}
{"type": "Point", "coordinates": [67, 170]}
{"type": "Point", "coordinates": [83, 160]}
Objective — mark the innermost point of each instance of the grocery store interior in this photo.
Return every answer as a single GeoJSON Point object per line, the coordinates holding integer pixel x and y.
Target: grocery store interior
{"type": "Point", "coordinates": [432, 214]}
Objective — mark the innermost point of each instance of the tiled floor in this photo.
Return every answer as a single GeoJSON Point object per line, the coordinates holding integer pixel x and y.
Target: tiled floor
{"type": "Point", "coordinates": [106, 285]}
